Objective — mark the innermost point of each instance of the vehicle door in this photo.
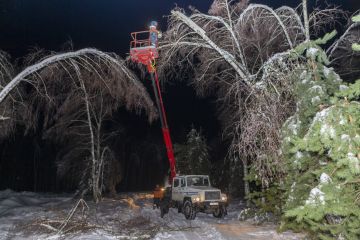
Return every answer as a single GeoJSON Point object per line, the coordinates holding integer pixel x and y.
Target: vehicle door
{"type": "Point", "coordinates": [182, 190]}
{"type": "Point", "coordinates": [175, 193]}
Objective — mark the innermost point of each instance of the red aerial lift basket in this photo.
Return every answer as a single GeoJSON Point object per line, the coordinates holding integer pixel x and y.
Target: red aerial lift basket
{"type": "Point", "coordinates": [141, 49]}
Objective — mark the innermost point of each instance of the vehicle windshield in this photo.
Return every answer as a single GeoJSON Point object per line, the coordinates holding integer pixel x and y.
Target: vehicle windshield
{"type": "Point", "coordinates": [198, 181]}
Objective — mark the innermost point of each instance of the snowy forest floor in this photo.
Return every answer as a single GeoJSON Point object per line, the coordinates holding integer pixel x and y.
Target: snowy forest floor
{"type": "Point", "coordinates": [28, 215]}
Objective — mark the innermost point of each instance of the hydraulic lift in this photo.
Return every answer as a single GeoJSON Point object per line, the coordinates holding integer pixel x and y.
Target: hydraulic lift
{"type": "Point", "coordinates": [143, 49]}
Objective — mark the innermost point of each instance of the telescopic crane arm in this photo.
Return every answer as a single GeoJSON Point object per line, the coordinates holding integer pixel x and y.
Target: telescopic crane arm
{"type": "Point", "coordinates": [144, 51]}
{"type": "Point", "coordinates": [164, 125]}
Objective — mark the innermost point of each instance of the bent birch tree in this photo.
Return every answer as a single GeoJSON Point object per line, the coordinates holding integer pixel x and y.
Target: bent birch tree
{"type": "Point", "coordinates": [73, 94]}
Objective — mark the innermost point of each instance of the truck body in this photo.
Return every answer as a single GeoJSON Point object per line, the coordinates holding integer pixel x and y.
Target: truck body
{"type": "Point", "coordinates": [191, 194]}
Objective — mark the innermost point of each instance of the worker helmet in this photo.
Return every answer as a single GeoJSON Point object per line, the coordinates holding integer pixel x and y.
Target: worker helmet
{"type": "Point", "coordinates": [153, 24]}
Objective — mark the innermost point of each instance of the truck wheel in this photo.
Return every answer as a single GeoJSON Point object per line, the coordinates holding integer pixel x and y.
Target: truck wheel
{"type": "Point", "coordinates": [164, 207]}
{"type": "Point", "coordinates": [188, 210]}
{"type": "Point", "coordinates": [219, 212]}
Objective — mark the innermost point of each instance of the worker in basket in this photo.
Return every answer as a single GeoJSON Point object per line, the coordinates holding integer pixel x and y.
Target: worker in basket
{"type": "Point", "coordinates": [154, 33]}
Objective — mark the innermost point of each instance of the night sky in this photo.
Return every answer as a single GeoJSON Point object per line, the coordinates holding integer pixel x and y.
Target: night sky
{"type": "Point", "coordinates": [106, 25]}
{"type": "Point", "coordinates": [93, 23]}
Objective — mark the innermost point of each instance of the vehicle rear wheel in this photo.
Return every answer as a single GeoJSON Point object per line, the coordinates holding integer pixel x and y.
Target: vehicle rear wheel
{"type": "Point", "coordinates": [164, 207]}
{"type": "Point", "coordinates": [219, 212]}
{"type": "Point", "coordinates": [189, 210]}
{"type": "Point", "coordinates": [163, 210]}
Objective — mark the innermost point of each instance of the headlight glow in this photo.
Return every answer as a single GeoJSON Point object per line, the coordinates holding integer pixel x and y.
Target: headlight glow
{"type": "Point", "coordinates": [223, 198]}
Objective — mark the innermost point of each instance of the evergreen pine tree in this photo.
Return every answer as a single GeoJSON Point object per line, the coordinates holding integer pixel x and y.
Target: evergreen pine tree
{"type": "Point", "coordinates": [322, 146]}
{"type": "Point", "coordinates": [193, 156]}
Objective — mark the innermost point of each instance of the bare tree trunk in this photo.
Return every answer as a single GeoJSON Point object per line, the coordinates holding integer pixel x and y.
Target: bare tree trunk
{"type": "Point", "coordinates": [246, 181]}
{"type": "Point", "coordinates": [306, 20]}
{"type": "Point", "coordinates": [94, 170]}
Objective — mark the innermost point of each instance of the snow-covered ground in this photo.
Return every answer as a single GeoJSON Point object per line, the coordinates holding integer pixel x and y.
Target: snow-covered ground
{"type": "Point", "coordinates": [29, 215]}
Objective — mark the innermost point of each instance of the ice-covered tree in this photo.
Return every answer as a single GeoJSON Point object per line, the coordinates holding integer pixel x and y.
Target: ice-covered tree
{"type": "Point", "coordinates": [73, 94]}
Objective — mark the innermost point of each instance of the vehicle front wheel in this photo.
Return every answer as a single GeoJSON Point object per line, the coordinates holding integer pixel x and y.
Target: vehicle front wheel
{"type": "Point", "coordinates": [189, 210]}
{"type": "Point", "coordinates": [219, 212]}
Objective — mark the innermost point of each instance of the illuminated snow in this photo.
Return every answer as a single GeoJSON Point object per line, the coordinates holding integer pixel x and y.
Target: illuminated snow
{"type": "Point", "coordinates": [312, 51]}
{"type": "Point", "coordinates": [324, 178]}
{"type": "Point", "coordinates": [345, 137]}
{"type": "Point", "coordinates": [317, 89]}
{"type": "Point", "coordinates": [25, 210]}
{"type": "Point", "coordinates": [343, 87]}
{"type": "Point", "coordinates": [316, 196]}
{"type": "Point", "coordinates": [327, 131]}
{"type": "Point", "coordinates": [315, 100]}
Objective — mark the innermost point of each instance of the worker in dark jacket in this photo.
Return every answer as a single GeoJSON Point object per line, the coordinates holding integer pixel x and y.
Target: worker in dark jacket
{"type": "Point", "coordinates": [154, 33]}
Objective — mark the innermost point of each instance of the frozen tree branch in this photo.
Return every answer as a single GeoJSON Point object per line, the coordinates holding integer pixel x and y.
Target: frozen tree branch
{"type": "Point", "coordinates": [230, 29]}
{"type": "Point", "coordinates": [336, 44]}
{"type": "Point", "coordinates": [226, 55]}
{"type": "Point", "coordinates": [295, 15]}
{"type": "Point", "coordinates": [306, 19]}
{"type": "Point", "coordinates": [61, 57]}
{"type": "Point", "coordinates": [2, 118]}
{"type": "Point", "coordinates": [253, 7]}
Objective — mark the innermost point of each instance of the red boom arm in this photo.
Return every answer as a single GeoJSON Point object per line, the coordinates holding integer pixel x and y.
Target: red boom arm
{"type": "Point", "coordinates": [165, 127]}
{"type": "Point", "coordinates": [145, 52]}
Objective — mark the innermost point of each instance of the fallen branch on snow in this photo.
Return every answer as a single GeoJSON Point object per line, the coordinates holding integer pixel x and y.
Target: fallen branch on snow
{"type": "Point", "coordinates": [2, 118]}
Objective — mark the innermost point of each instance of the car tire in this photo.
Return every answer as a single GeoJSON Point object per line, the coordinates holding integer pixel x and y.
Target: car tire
{"type": "Point", "coordinates": [164, 207]}
{"type": "Point", "coordinates": [219, 212]}
{"type": "Point", "coordinates": [163, 210]}
{"type": "Point", "coordinates": [189, 210]}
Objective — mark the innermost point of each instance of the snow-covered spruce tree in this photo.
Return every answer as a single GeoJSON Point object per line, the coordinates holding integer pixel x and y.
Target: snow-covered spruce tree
{"type": "Point", "coordinates": [193, 156]}
{"type": "Point", "coordinates": [73, 94]}
{"type": "Point", "coordinates": [322, 147]}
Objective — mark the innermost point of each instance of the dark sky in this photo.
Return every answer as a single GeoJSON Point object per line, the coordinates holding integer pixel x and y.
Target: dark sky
{"type": "Point", "coordinates": [104, 24]}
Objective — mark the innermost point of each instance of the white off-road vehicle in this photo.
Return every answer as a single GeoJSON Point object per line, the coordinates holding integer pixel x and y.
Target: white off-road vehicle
{"type": "Point", "coordinates": [191, 194]}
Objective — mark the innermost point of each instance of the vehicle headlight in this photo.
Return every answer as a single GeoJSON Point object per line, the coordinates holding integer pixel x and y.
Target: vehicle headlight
{"type": "Point", "coordinates": [223, 197]}
{"type": "Point", "coordinates": [196, 199]}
